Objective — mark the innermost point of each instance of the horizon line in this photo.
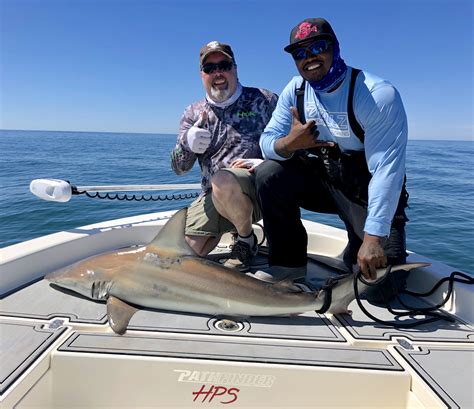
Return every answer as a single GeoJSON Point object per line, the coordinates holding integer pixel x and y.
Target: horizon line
{"type": "Point", "coordinates": [174, 134]}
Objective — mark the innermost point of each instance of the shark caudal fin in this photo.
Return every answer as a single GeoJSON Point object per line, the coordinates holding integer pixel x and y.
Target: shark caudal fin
{"type": "Point", "coordinates": [170, 240]}
{"type": "Point", "coordinates": [341, 291]}
{"type": "Point", "coordinates": [410, 266]}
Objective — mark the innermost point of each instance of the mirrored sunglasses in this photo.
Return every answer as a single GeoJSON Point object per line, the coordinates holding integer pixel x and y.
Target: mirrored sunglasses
{"type": "Point", "coordinates": [315, 48]}
{"type": "Point", "coordinates": [210, 67]}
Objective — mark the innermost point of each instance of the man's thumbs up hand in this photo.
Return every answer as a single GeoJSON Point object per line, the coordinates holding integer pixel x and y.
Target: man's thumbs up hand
{"type": "Point", "coordinates": [199, 138]}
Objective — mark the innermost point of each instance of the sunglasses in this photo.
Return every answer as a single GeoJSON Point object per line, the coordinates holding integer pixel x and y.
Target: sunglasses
{"type": "Point", "coordinates": [210, 67]}
{"type": "Point", "coordinates": [315, 48]}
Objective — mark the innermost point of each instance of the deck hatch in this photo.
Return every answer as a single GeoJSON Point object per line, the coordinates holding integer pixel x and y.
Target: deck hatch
{"type": "Point", "coordinates": [230, 350]}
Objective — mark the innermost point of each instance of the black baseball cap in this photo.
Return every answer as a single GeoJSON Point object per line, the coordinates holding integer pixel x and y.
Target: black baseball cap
{"type": "Point", "coordinates": [310, 28]}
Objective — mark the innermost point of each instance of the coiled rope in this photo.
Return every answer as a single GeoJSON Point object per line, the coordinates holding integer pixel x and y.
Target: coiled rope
{"type": "Point", "coordinates": [433, 312]}
{"type": "Point", "coordinates": [135, 197]}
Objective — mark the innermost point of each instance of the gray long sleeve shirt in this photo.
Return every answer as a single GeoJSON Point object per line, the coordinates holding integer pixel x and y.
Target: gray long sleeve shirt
{"type": "Point", "coordinates": [235, 132]}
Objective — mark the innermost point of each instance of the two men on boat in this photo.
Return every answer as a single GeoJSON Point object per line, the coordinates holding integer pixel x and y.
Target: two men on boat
{"type": "Point", "coordinates": [335, 143]}
{"type": "Point", "coordinates": [222, 132]}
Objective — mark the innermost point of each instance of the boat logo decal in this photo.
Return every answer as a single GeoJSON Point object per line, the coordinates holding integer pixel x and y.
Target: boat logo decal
{"type": "Point", "coordinates": [222, 386]}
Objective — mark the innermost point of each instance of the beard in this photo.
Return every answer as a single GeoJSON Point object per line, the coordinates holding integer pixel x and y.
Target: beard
{"type": "Point", "coordinates": [220, 95]}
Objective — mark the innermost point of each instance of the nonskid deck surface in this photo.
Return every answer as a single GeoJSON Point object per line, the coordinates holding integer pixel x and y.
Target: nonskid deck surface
{"type": "Point", "coordinates": [39, 318]}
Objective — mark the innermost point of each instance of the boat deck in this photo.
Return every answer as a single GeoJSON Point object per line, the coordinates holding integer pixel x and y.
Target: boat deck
{"type": "Point", "coordinates": [57, 349]}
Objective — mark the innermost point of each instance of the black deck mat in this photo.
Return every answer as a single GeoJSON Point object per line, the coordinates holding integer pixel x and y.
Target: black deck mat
{"type": "Point", "coordinates": [20, 345]}
{"type": "Point", "coordinates": [448, 371]}
{"type": "Point", "coordinates": [362, 327]}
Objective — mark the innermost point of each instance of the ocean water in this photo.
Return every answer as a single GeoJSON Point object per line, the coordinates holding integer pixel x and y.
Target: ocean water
{"type": "Point", "coordinates": [440, 184]}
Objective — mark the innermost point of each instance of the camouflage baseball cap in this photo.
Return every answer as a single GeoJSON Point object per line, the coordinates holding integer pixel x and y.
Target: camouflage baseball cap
{"type": "Point", "coordinates": [215, 47]}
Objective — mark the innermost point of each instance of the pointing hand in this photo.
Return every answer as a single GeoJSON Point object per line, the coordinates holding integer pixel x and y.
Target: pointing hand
{"type": "Point", "coordinates": [199, 138]}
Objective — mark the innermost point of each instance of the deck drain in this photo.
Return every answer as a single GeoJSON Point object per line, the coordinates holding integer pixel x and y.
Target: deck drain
{"type": "Point", "coordinates": [55, 324]}
{"type": "Point", "coordinates": [227, 325]}
{"type": "Point", "coordinates": [405, 344]}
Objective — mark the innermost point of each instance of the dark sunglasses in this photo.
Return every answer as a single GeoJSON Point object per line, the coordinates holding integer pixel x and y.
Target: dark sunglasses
{"type": "Point", "coordinates": [210, 67]}
{"type": "Point", "coordinates": [315, 48]}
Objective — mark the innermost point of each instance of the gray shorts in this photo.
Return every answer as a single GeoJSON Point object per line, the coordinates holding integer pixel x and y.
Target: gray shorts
{"type": "Point", "coordinates": [203, 218]}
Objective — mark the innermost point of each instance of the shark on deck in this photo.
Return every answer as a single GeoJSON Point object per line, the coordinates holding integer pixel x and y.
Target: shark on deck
{"type": "Point", "coordinates": [166, 274]}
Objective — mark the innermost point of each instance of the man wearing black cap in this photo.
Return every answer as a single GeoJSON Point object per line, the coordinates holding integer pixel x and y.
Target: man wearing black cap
{"type": "Point", "coordinates": [222, 132]}
{"type": "Point", "coordinates": [339, 147]}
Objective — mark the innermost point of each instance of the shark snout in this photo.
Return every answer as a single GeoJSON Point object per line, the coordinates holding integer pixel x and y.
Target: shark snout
{"type": "Point", "coordinates": [57, 275]}
{"type": "Point", "coordinates": [79, 277]}
{"type": "Point", "coordinates": [72, 273]}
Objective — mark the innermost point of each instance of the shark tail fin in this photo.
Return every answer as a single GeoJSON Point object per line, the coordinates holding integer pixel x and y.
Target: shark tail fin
{"type": "Point", "coordinates": [410, 266]}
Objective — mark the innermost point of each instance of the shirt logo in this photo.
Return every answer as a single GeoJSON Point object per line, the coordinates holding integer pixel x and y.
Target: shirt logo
{"type": "Point", "coordinates": [337, 123]}
{"type": "Point", "coordinates": [246, 114]}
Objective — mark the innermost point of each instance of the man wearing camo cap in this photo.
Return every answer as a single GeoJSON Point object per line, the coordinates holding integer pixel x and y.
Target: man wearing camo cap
{"type": "Point", "coordinates": [222, 133]}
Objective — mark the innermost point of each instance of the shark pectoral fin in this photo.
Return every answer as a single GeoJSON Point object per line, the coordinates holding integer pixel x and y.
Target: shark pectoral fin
{"type": "Point", "coordinates": [171, 239]}
{"type": "Point", "coordinates": [119, 314]}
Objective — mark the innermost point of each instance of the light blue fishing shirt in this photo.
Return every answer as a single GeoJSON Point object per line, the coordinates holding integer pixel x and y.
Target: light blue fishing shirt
{"type": "Point", "coordinates": [379, 110]}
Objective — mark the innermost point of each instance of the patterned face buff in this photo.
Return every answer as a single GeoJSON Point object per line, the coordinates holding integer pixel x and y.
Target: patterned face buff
{"type": "Point", "coordinates": [336, 73]}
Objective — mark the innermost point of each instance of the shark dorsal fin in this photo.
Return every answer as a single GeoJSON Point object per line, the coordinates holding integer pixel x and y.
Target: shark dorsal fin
{"type": "Point", "coordinates": [170, 239]}
{"type": "Point", "coordinates": [119, 314]}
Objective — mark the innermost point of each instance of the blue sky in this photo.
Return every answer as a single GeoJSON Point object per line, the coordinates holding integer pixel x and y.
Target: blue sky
{"type": "Point", "coordinates": [132, 65]}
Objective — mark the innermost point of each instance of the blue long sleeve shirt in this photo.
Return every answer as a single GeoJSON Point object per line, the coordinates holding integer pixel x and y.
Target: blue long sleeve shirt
{"type": "Point", "coordinates": [379, 110]}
